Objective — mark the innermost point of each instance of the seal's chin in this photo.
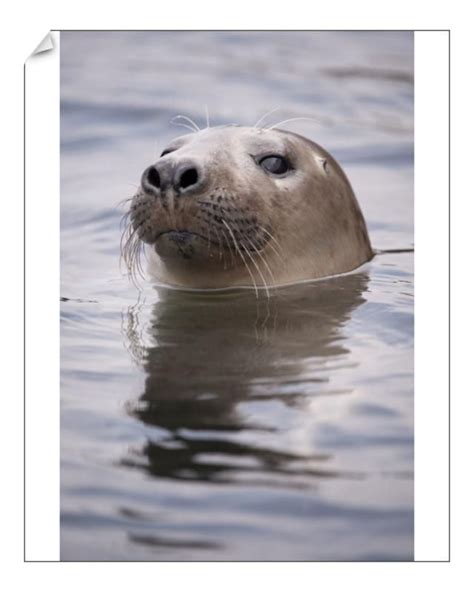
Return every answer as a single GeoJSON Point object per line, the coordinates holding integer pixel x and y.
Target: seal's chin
{"type": "Point", "coordinates": [185, 246]}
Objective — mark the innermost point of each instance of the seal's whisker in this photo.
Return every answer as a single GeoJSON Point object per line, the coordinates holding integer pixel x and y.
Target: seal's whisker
{"type": "Point", "coordinates": [189, 120]}
{"type": "Point", "coordinates": [269, 234]}
{"type": "Point", "coordinates": [128, 254]}
{"type": "Point", "coordinates": [122, 203]}
{"type": "Point", "coordinates": [265, 115]}
{"type": "Point", "coordinates": [125, 237]}
{"type": "Point", "coordinates": [124, 221]}
{"type": "Point", "coordinates": [264, 261]}
{"type": "Point", "coordinates": [136, 269]}
{"type": "Point", "coordinates": [130, 261]}
{"type": "Point", "coordinates": [242, 257]}
{"type": "Point", "coordinates": [275, 251]}
{"type": "Point", "coordinates": [256, 267]}
{"type": "Point", "coordinates": [207, 117]}
{"type": "Point", "coordinates": [129, 235]}
{"type": "Point", "coordinates": [221, 252]}
{"type": "Point", "coordinates": [222, 249]}
{"type": "Point", "coordinates": [273, 239]}
{"type": "Point", "coordinates": [126, 258]}
{"type": "Point", "coordinates": [318, 121]}
{"type": "Point", "coordinates": [231, 251]}
{"type": "Point", "coordinates": [183, 125]}
{"type": "Point", "coordinates": [136, 253]}
{"type": "Point", "coordinates": [131, 250]}
{"type": "Point", "coordinates": [225, 251]}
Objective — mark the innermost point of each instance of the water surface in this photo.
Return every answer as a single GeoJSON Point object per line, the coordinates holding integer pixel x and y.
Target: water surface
{"type": "Point", "coordinates": [215, 426]}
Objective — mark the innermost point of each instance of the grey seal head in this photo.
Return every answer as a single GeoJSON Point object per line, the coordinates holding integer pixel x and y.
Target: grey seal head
{"type": "Point", "coordinates": [242, 206]}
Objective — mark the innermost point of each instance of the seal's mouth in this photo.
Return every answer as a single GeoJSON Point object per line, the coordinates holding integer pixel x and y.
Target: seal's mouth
{"type": "Point", "coordinates": [185, 244]}
{"type": "Point", "coordinates": [182, 237]}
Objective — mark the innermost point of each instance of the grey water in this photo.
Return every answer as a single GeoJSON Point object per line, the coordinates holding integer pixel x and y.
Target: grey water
{"type": "Point", "coordinates": [217, 426]}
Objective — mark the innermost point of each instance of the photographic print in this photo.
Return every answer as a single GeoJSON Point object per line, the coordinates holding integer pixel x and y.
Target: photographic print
{"type": "Point", "coordinates": [237, 295]}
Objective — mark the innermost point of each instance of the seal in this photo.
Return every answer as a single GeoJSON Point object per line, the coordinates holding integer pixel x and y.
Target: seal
{"type": "Point", "coordinates": [242, 206]}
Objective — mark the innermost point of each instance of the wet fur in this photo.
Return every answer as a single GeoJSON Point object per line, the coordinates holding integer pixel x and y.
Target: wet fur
{"type": "Point", "coordinates": [251, 229]}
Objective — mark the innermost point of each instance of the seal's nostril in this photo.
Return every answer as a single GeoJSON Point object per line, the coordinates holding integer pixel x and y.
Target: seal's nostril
{"type": "Point", "coordinates": [188, 178]}
{"type": "Point", "coordinates": [153, 177]}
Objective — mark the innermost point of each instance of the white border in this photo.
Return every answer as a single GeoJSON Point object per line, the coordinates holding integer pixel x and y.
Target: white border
{"type": "Point", "coordinates": [431, 323]}
{"type": "Point", "coordinates": [431, 296]}
{"type": "Point", "coordinates": [42, 305]}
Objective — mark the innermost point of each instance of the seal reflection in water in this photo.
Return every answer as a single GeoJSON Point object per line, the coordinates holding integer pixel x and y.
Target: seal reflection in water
{"type": "Point", "coordinates": [209, 359]}
{"type": "Point", "coordinates": [237, 206]}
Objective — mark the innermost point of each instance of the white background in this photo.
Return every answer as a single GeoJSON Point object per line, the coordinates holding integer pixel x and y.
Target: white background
{"type": "Point", "coordinates": [42, 304]}
{"type": "Point", "coordinates": [25, 29]}
{"type": "Point", "coordinates": [431, 295]}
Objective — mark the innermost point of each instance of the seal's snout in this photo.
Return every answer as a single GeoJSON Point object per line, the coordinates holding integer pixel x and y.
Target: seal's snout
{"type": "Point", "coordinates": [181, 176]}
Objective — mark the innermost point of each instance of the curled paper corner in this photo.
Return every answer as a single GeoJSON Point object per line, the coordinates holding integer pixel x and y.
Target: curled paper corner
{"type": "Point", "coordinates": [47, 44]}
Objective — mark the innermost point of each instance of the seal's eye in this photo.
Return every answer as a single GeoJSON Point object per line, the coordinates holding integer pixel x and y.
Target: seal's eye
{"type": "Point", "coordinates": [277, 165]}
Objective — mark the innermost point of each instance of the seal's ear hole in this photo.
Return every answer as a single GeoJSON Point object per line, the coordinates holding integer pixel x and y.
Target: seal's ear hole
{"type": "Point", "coordinates": [165, 152]}
{"type": "Point", "coordinates": [323, 163]}
{"type": "Point", "coordinates": [277, 165]}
